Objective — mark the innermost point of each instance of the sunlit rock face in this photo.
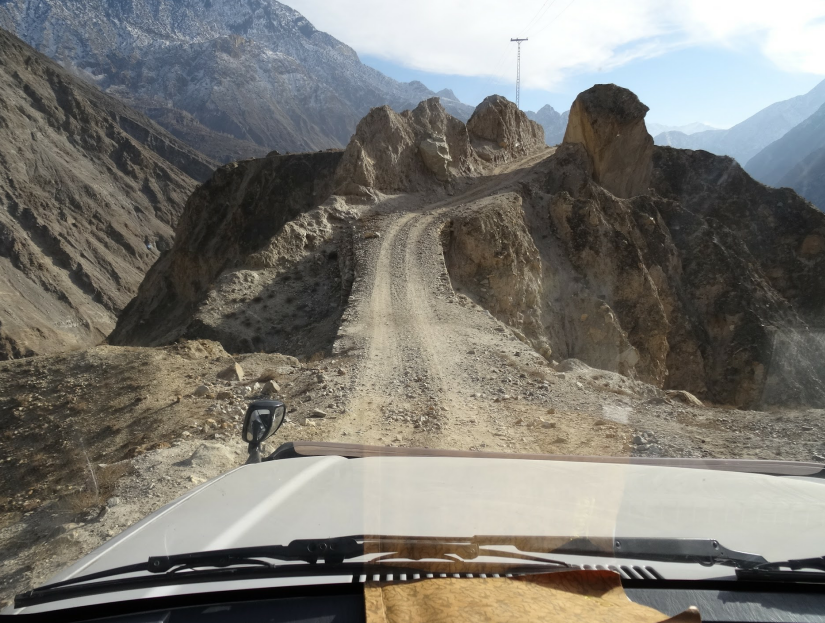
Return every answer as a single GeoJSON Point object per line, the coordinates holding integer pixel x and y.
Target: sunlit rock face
{"type": "Point", "coordinates": [609, 121]}
{"type": "Point", "coordinates": [500, 132]}
{"type": "Point", "coordinates": [410, 151]}
{"type": "Point", "coordinates": [717, 281]}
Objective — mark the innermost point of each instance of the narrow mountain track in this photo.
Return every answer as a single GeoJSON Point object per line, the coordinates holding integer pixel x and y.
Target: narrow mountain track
{"type": "Point", "coordinates": [422, 355]}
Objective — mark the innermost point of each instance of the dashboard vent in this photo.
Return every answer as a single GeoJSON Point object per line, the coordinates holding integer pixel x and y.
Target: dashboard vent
{"type": "Point", "coordinates": [635, 572]}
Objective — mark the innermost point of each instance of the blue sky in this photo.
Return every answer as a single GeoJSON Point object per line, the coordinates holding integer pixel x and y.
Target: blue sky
{"type": "Point", "coordinates": [714, 61]}
{"type": "Point", "coordinates": [719, 87]}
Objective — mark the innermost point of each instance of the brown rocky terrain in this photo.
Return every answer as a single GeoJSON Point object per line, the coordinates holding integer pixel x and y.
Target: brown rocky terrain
{"type": "Point", "coordinates": [85, 185]}
{"type": "Point", "coordinates": [517, 306]}
{"type": "Point", "coordinates": [706, 281]}
{"type": "Point", "coordinates": [609, 123]}
{"type": "Point", "coordinates": [257, 265]}
{"type": "Point", "coordinates": [650, 262]}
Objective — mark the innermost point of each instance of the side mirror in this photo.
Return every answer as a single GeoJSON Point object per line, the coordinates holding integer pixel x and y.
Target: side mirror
{"type": "Point", "coordinates": [263, 418]}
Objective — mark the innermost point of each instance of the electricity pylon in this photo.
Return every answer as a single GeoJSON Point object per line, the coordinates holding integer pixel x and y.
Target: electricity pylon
{"type": "Point", "coordinates": [518, 73]}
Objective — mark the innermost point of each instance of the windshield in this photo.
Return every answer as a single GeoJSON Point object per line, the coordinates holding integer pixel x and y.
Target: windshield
{"type": "Point", "coordinates": [537, 229]}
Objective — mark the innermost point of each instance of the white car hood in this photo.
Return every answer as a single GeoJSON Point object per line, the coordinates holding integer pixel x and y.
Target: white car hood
{"type": "Point", "coordinates": [319, 497]}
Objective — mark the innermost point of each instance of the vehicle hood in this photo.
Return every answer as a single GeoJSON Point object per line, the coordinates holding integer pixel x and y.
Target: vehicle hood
{"type": "Point", "coordinates": [319, 497]}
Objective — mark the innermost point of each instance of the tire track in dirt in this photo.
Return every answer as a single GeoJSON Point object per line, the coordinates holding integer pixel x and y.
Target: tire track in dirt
{"type": "Point", "coordinates": [405, 320]}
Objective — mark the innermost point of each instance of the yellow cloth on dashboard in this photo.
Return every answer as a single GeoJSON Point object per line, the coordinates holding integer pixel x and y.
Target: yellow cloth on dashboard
{"type": "Point", "coordinates": [592, 596]}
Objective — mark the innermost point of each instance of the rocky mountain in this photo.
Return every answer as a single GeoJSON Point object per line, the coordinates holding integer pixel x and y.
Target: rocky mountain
{"type": "Point", "coordinates": [553, 123]}
{"type": "Point", "coordinates": [667, 266]}
{"type": "Point", "coordinates": [90, 192]}
{"type": "Point", "coordinates": [717, 280]}
{"type": "Point", "coordinates": [454, 106]}
{"type": "Point", "coordinates": [792, 160]}
{"type": "Point", "coordinates": [276, 234]}
{"type": "Point", "coordinates": [744, 140]}
{"type": "Point", "coordinates": [808, 178]}
{"type": "Point", "coordinates": [231, 77]}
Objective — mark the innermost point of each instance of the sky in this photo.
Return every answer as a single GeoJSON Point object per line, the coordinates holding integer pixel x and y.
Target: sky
{"type": "Point", "coordinates": [713, 61]}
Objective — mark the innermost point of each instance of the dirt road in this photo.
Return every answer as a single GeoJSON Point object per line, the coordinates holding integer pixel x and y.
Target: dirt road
{"type": "Point", "coordinates": [433, 369]}
{"type": "Point", "coordinates": [430, 368]}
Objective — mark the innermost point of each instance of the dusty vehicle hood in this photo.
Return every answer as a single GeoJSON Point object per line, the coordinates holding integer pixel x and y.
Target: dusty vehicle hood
{"type": "Point", "coordinates": [317, 497]}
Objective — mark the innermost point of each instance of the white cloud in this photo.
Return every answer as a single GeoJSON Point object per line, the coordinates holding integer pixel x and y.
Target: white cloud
{"type": "Point", "coordinates": [472, 38]}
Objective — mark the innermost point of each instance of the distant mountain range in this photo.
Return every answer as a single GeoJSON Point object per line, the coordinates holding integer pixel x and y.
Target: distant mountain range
{"type": "Point", "coordinates": [797, 160]}
{"type": "Point", "coordinates": [744, 140]}
{"type": "Point", "coordinates": [689, 128]}
{"type": "Point", "coordinates": [554, 123]}
{"type": "Point", "coordinates": [233, 78]}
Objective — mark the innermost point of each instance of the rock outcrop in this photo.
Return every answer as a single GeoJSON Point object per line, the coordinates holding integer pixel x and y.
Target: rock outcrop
{"type": "Point", "coordinates": [500, 132]}
{"type": "Point", "coordinates": [489, 252]}
{"type": "Point", "coordinates": [392, 152]}
{"type": "Point", "coordinates": [670, 266]}
{"type": "Point", "coordinates": [262, 257]}
{"type": "Point", "coordinates": [90, 191]}
{"type": "Point", "coordinates": [609, 121]}
{"type": "Point", "coordinates": [254, 242]}
{"type": "Point", "coordinates": [709, 282]}
{"type": "Point", "coordinates": [407, 152]}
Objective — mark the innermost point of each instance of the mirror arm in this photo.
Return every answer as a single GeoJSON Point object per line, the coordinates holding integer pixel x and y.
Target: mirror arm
{"type": "Point", "coordinates": [254, 450]}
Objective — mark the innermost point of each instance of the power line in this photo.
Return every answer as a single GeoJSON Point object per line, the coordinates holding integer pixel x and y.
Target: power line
{"type": "Point", "coordinates": [532, 19]}
{"type": "Point", "coordinates": [537, 18]}
{"type": "Point", "coordinates": [518, 71]}
{"type": "Point", "coordinates": [557, 16]}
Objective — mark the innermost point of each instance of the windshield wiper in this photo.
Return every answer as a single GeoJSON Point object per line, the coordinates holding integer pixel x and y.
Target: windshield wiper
{"type": "Point", "coordinates": [786, 571]}
{"type": "Point", "coordinates": [334, 552]}
{"type": "Point", "coordinates": [705, 552]}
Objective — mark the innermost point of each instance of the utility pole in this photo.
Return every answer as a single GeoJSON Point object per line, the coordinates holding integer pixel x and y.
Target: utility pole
{"type": "Point", "coordinates": [518, 73]}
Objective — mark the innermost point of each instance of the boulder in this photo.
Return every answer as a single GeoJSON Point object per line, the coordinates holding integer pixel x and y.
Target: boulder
{"type": "Point", "coordinates": [392, 152]}
{"type": "Point", "coordinates": [436, 156]}
{"type": "Point", "coordinates": [685, 397]}
{"type": "Point", "coordinates": [232, 373]}
{"type": "Point", "coordinates": [609, 121]}
{"type": "Point", "coordinates": [500, 132]}
{"type": "Point", "coordinates": [271, 388]}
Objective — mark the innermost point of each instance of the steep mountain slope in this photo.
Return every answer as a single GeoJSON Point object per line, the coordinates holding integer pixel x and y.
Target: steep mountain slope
{"type": "Point", "coordinates": [808, 178]}
{"type": "Point", "coordinates": [553, 123]}
{"type": "Point", "coordinates": [86, 185]}
{"type": "Point", "coordinates": [744, 140]}
{"type": "Point", "coordinates": [708, 282]}
{"type": "Point", "coordinates": [253, 71]}
{"type": "Point", "coordinates": [772, 164]}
